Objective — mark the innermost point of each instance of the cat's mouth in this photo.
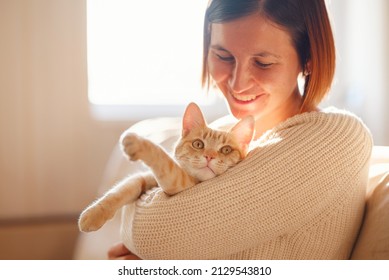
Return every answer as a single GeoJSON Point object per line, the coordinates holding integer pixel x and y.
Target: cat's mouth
{"type": "Point", "coordinates": [210, 169]}
{"type": "Point", "coordinates": [206, 173]}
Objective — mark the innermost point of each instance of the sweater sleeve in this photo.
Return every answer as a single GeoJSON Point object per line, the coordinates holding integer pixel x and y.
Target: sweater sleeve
{"type": "Point", "coordinates": [296, 174]}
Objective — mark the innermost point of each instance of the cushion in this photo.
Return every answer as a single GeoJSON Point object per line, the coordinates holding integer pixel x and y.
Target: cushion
{"type": "Point", "coordinates": [373, 240]}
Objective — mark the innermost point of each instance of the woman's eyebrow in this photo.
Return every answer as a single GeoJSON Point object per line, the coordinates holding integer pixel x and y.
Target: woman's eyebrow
{"type": "Point", "coordinates": [267, 54]}
{"type": "Point", "coordinates": [260, 54]}
{"type": "Point", "coordinates": [219, 48]}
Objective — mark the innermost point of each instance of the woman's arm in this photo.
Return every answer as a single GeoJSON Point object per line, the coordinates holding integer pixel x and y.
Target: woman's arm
{"type": "Point", "coordinates": [300, 171]}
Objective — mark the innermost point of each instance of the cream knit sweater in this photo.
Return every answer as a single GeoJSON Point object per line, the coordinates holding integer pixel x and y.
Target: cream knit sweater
{"type": "Point", "coordinates": [298, 195]}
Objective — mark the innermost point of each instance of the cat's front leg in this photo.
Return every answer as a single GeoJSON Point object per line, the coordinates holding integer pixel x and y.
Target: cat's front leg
{"type": "Point", "coordinates": [136, 147]}
{"type": "Point", "coordinates": [169, 175]}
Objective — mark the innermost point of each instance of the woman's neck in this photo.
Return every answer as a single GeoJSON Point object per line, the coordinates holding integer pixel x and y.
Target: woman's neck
{"type": "Point", "coordinates": [268, 121]}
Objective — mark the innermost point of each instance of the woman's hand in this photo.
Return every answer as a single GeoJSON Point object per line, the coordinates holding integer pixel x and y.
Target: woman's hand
{"type": "Point", "coordinates": [120, 252]}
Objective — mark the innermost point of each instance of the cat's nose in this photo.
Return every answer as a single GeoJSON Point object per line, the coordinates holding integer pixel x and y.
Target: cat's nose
{"type": "Point", "coordinates": [209, 158]}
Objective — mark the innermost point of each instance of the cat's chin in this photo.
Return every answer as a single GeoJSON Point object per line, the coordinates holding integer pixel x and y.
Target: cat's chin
{"type": "Point", "coordinates": [204, 174]}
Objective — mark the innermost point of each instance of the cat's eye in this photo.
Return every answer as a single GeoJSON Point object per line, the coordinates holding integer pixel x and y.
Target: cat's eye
{"type": "Point", "coordinates": [198, 144]}
{"type": "Point", "coordinates": [226, 150]}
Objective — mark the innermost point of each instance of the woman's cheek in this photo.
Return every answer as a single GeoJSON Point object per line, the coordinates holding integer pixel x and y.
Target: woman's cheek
{"type": "Point", "coordinates": [218, 70]}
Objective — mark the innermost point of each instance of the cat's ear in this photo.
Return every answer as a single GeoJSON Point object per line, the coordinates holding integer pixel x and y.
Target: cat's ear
{"type": "Point", "coordinates": [193, 118]}
{"type": "Point", "coordinates": [243, 132]}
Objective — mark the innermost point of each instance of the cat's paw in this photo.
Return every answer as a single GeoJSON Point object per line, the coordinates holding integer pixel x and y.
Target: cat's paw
{"type": "Point", "coordinates": [131, 145]}
{"type": "Point", "coordinates": [93, 218]}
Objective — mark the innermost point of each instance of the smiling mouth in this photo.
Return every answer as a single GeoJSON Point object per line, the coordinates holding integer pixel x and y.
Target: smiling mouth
{"type": "Point", "coordinates": [245, 99]}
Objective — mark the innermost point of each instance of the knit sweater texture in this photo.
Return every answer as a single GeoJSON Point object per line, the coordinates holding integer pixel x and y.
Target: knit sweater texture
{"type": "Point", "coordinates": [300, 194]}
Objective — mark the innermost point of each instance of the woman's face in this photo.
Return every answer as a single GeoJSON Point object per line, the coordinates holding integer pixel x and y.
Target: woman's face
{"type": "Point", "coordinates": [255, 65]}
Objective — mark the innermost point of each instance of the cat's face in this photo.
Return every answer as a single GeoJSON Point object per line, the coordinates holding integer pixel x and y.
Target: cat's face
{"type": "Point", "coordinates": [205, 153]}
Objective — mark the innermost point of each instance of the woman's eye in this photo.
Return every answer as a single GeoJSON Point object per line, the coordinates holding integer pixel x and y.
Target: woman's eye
{"type": "Point", "coordinates": [198, 144]}
{"type": "Point", "coordinates": [263, 65]}
{"type": "Point", "coordinates": [225, 58]}
{"type": "Point", "coordinates": [226, 150]}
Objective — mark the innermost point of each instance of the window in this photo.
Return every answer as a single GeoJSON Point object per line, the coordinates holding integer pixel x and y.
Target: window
{"type": "Point", "coordinates": [145, 52]}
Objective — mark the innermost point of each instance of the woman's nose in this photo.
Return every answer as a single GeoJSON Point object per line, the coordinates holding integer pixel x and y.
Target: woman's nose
{"type": "Point", "coordinates": [240, 79]}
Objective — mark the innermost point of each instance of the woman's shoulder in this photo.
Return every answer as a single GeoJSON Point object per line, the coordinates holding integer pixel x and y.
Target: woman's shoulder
{"type": "Point", "coordinates": [328, 131]}
{"type": "Point", "coordinates": [341, 123]}
{"type": "Point", "coordinates": [336, 117]}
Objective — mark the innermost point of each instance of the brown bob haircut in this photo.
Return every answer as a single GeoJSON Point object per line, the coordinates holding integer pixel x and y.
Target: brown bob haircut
{"type": "Point", "coordinates": [309, 26]}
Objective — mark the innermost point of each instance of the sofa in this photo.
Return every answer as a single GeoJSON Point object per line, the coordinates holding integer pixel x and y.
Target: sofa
{"type": "Point", "coordinates": [371, 244]}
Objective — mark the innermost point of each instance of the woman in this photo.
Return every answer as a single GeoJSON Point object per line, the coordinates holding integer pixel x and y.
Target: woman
{"type": "Point", "coordinates": [300, 193]}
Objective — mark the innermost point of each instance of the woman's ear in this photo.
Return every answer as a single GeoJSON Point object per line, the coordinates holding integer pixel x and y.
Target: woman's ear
{"type": "Point", "coordinates": [307, 69]}
{"type": "Point", "coordinates": [193, 118]}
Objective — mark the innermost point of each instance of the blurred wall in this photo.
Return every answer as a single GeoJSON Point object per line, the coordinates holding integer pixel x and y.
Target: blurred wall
{"type": "Point", "coordinates": [52, 152]}
{"type": "Point", "coordinates": [362, 78]}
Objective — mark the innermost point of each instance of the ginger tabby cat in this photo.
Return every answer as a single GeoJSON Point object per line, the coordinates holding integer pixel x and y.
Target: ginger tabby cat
{"type": "Point", "coordinates": [201, 153]}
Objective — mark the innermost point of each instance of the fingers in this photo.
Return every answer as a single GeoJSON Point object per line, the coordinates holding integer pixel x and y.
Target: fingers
{"type": "Point", "coordinates": [117, 250]}
{"type": "Point", "coordinates": [128, 257]}
{"type": "Point", "coordinates": [120, 252]}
